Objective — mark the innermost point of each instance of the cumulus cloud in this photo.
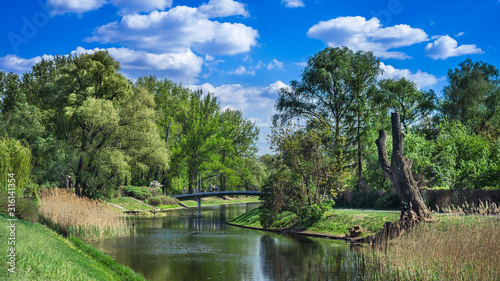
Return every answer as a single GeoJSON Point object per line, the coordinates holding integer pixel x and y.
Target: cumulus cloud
{"type": "Point", "coordinates": [61, 7]}
{"type": "Point", "coordinates": [275, 64]}
{"type": "Point", "coordinates": [223, 8]}
{"type": "Point", "coordinates": [293, 3]}
{"type": "Point", "coordinates": [423, 79]}
{"type": "Point", "coordinates": [445, 47]}
{"type": "Point", "coordinates": [357, 33]}
{"type": "Point", "coordinates": [256, 103]}
{"type": "Point", "coordinates": [13, 63]}
{"type": "Point", "coordinates": [137, 6]}
{"type": "Point", "coordinates": [177, 29]}
{"type": "Point", "coordinates": [241, 70]}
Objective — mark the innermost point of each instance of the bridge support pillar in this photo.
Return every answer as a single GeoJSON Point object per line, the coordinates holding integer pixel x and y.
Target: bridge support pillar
{"type": "Point", "coordinates": [199, 206]}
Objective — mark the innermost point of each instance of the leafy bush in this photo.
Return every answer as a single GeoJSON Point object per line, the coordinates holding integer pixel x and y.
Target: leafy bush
{"type": "Point", "coordinates": [155, 201]}
{"type": "Point", "coordinates": [141, 193]}
{"type": "Point", "coordinates": [155, 191]}
{"type": "Point", "coordinates": [166, 200]}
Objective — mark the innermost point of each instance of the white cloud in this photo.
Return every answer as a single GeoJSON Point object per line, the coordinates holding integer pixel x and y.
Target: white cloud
{"type": "Point", "coordinates": [241, 70]}
{"type": "Point", "coordinates": [223, 8]}
{"type": "Point", "coordinates": [301, 64]}
{"type": "Point", "coordinates": [423, 79]}
{"type": "Point", "coordinates": [60, 7]}
{"type": "Point", "coordinates": [459, 34]}
{"type": "Point", "coordinates": [256, 103]}
{"type": "Point", "coordinates": [177, 29]}
{"type": "Point", "coordinates": [13, 63]}
{"type": "Point", "coordinates": [293, 3]}
{"type": "Point", "coordinates": [357, 33]}
{"type": "Point", "coordinates": [445, 47]}
{"type": "Point", "coordinates": [275, 64]}
{"type": "Point", "coordinates": [134, 6]}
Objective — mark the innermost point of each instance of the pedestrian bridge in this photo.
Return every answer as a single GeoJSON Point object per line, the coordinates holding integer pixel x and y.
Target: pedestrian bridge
{"type": "Point", "coordinates": [198, 196]}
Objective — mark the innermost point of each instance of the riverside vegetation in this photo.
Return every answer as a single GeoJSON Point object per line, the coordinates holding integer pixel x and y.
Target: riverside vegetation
{"type": "Point", "coordinates": [461, 245]}
{"type": "Point", "coordinates": [81, 217]}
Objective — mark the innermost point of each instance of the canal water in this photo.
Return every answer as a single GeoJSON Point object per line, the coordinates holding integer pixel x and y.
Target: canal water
{"type": "Point", "coordinates": [185, 246]}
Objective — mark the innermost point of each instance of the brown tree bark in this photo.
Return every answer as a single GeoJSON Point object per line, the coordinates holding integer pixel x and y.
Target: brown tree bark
{"type": "Point", "coordinates": [398, 171]}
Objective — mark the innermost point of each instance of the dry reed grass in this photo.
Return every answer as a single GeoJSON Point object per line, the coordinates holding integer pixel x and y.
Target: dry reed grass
{"type": "Point", "coordinates": [81, 217]}
{"type": "Point", "coordinates": [464, 245]}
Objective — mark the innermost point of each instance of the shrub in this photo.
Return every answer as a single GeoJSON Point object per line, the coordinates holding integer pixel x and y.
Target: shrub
{"type": "Point", "coordinates": [166, 200]}
{"type": "Point", "coordinates": [141, 193]}
{"type": "Point", "coordinates": [155, 191]}
{"type": "Point", "coordinates": [155, 201]}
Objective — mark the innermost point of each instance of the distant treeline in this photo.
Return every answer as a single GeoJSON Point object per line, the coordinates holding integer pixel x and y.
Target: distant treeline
{"type": "Point", "coordinates": [82, 119]}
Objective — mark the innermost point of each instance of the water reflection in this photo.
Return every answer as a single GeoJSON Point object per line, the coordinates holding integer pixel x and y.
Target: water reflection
{"type": "Point", "coordinates": [184, 246]}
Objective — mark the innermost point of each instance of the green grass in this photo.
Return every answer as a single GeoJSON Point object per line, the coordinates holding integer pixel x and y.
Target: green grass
{"type": "Point", "coordinates": [219, 201]}
{"type": "Point", "coordinates": [168, 206]}
{"type": "Point", "coordinates": [41, 254]}
{"type": "Point", "coordinates": [335, 222]}
{"type": "Point", "coordinates": [129, 203]}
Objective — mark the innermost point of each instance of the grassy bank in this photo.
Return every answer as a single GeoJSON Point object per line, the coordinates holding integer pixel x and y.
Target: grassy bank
{"type": "Point", "coordinates": [41, 254]}
{"type": "Point", "coordinates": [130, 203]}
{"type": "Point", "coordinates": [334, 223]}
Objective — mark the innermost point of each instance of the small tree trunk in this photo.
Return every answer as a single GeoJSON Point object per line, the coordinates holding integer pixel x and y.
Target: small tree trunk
{"type": "Point", "coordinates": [398, 171]}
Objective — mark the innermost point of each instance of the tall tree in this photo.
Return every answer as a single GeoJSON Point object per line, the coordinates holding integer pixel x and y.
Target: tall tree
{"type": "Point", "coordinates": [403, 96]}
{"type": "Point", "coordinates": [336, 90]}
{"type": "Point", "coordinates": [472, 95]}
{"type": "Point", "coordinates": [200, 138]}
{"type": "Point", "coordinates": [107, 126]}
{"type": "Point", "coordinates": [238, 137]}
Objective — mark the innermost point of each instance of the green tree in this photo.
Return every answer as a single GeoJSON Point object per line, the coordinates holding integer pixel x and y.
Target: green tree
{"type": "Point", "coordinates": [472, 95]}
{"type": "Point", "coordinates": [200, 139]}
{"type": "Point", "coordinates": [403, 96]}
{"type": "Point", "coordinates": [237, 143]}
{"type": "Point", "coordinates": [337, 90]}
{"type": "Point", "coordinates": [107, 126]}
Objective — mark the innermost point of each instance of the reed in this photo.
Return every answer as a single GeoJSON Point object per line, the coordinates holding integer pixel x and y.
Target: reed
{"type": "Point", "coordinates": [81, 217]}
{"type": "Point", "coordinates": [463, 244]}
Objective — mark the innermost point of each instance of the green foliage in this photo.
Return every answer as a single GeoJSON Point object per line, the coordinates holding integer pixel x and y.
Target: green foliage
{"type": "Point", "coordinates": [472, 95]}
{"type": "Point", "coordinates": [15, 164]}
{"type": "Point", "coordinates": [155, 201]}
{"type": "Point", "coordinates": [138, 192]}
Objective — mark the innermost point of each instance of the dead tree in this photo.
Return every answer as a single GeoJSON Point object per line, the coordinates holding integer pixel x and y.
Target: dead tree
{"type": "Point", "coordinates": [398, 171]}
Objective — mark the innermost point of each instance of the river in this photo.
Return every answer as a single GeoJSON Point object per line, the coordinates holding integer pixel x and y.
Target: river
{"type": "Point", "coordinates": [185, 246]}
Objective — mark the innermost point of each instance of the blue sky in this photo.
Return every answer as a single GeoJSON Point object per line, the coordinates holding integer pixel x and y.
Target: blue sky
{"type": "Point", "coordinates": [244, 51]}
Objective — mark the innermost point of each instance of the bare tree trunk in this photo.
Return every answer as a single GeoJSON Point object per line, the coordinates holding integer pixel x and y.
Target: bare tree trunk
{"type": "Point", "coordinates": [398, 171]}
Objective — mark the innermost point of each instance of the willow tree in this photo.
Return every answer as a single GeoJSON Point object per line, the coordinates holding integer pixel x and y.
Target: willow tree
{"type": "Point", "coordinates": [107, 126]}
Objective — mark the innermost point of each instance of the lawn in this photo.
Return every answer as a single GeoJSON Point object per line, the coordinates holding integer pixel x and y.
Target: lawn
{"type": "Point", "coordinates": [334, 222]}
{"type": "Point", "coordinates": [130, 203]}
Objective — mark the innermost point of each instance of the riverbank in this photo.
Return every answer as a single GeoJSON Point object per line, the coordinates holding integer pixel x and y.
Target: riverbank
{"type": "Point", "coordinates": [334, 224]}
{"type": "Point", "coordinates": [42, 254]}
